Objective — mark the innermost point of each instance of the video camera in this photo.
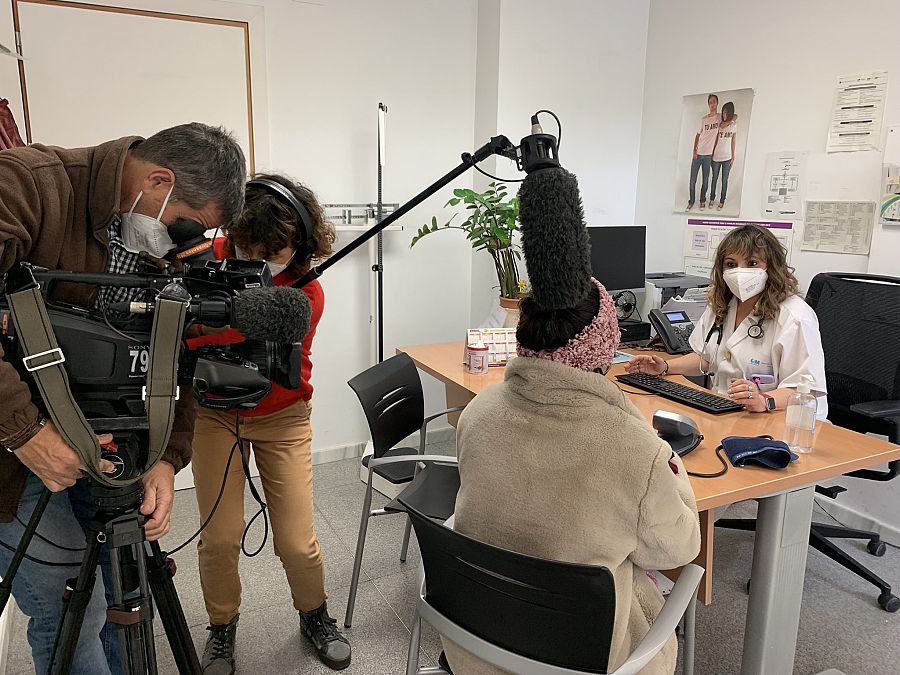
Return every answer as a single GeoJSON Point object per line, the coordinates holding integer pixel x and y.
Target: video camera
{"type": "Point", "coordinates": [105, 350]}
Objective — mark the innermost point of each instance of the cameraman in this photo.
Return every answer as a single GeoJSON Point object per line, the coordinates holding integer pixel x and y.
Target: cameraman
{"type": "Point", "coordinates": [91, 210]}
{"type": "Point", "coordinates": [279, 428]}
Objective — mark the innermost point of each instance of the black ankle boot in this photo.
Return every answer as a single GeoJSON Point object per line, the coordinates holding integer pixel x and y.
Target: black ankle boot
{"type": "Point", "coordinates": [322, 631]}
{"type": "Point", "coordinates": [218, 656]}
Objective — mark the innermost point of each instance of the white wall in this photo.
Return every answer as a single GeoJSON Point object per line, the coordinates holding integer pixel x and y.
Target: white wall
{"type": "Point", "coordinates": [484, 287]}
{"type": "Point", "coordinates": [328, 67]}
{"type": "Point", "coordinates": [9, 70]}
{"type": "Point", "coordinates": [584, 60]}
{"type": "Point", "coordinates": [323, 67]}
{"type": "Point", "coordinates": [791, 54]}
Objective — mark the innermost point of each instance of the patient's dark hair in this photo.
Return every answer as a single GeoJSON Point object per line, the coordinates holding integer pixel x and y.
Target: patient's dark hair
{"type": "Point", "coordinates": [548, 329]}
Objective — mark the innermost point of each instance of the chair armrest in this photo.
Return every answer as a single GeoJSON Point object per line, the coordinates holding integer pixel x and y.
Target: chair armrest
{"type": "Point", "coordinates": [431, 418]}
{"type": "Point", "coordinates": [877, 408]}
{"type": "Point", "coordinates": [440, 459]}
{"type": "Point", "coordinates": [428, 419]}
{"type": "Point", "coordinates": [683, 593]}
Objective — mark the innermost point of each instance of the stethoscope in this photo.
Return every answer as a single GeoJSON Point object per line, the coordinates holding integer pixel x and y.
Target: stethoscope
{"type": "Point", "coordinates": [755, 331]}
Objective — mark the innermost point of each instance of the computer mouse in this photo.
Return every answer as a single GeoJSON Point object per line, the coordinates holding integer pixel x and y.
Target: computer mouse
{"type": "Point", "coordinates": [679, 431]}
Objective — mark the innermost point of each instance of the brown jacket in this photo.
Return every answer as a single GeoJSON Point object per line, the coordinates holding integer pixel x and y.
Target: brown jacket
{"type": "Point", "coordinates": [55, 206]}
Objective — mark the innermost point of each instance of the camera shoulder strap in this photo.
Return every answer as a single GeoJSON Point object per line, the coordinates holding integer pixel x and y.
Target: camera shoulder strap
{"type": "Point", "coordinates": [44, 359]}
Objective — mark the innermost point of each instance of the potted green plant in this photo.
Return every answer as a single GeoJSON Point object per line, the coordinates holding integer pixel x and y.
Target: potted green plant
{"type": "Point", "coordinates": [490, 224]}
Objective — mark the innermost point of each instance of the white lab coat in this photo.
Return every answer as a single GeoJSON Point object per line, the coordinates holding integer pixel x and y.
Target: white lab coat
{"type": "Point", "coordinates": [789, 348]}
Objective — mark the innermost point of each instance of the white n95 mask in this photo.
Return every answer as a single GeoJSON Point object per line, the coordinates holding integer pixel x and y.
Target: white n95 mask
{"type": "Point", "coordinates": [745, 282]}
{"type": "Point", "coordinates": [146, 233]}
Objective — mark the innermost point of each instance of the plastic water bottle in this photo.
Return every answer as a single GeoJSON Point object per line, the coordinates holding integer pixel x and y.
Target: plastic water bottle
{"type": "Point", "coordinates": [801, 418]}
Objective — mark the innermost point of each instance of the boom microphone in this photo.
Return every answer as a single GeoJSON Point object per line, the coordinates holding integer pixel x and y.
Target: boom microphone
{"type": "Point", "coordinates": [271, 314]}
{"type": "Point", "coordinates": [275, 314]}
{"type": "Point", "coordinates": [555, 241]}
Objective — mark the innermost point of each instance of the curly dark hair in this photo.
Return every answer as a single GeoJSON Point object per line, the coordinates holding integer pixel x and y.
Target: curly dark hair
{"type": "Point", "coordinates": [543, 329]}
{"type": "Point", "coordinates": [269, 222]}
{"type": "Point", "coordinates": [747, 241]}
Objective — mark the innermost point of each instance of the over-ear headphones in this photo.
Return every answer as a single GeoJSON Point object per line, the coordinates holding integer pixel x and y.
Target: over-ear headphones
{"type": "Point", "coordinates": [307, 247]}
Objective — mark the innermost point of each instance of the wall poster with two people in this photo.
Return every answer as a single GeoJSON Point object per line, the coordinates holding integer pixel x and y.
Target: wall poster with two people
{"type": "Point", "coordinates": [711, 151]}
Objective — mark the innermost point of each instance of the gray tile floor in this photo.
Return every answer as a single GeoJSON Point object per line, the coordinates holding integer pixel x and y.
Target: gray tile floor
{"type": "Point", "coordinates": [841, 626]}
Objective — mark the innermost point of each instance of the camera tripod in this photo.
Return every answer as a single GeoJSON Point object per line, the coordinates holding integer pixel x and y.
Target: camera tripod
{"type": "Point", "coordinates": [117, 525]}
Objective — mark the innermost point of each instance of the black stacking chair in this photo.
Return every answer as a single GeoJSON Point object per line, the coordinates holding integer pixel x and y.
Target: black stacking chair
{"type": "Point", "coordinates": [859, 319]}
{"type": "Point", "coordinates": [528, 615]}
{"type": "Point", "coordinates": [392, 399]}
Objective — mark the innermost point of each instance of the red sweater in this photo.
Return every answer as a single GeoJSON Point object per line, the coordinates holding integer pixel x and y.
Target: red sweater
{"type": "Point", "coordinates": [280, 398]}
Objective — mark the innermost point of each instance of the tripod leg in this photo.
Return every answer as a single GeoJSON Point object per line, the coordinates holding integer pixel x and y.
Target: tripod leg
{"type": "Point", "coordinates": [19, 555]}
{"type": "Point", "coordinates": [161, 571]}
{"type": "Point", "coordinates": [146, 627]}
{"type": "Point", "coordinates": [74, 607]}
{"type": "Point", "coordinates": [115, 564]}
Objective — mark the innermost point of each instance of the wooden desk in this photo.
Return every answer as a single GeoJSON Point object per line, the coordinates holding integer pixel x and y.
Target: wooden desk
{"type": "Point", "coordinates": [785, 507]}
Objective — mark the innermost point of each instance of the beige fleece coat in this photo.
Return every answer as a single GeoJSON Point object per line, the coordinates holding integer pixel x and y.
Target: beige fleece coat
{"type": "Point", "coordinates": [556, 463]}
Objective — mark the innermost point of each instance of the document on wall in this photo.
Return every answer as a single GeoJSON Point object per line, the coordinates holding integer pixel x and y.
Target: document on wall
{"type": "Point", "coordinates": [890, 191]}
{"type": "Point", "coordinates": [702, 237]}
{"type": "Point", "coordinates": [890, 180]}
{"type": "Point", "coordinates": [839, 227]}
{"type": "Point", "coordinates": [783, 188]}
{"type": "Point", "coordinates": [857, 113]}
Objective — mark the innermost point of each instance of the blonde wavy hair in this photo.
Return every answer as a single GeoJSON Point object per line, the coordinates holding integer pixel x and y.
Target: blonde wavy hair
{"type": "Point", "coordinates": [753, 241]}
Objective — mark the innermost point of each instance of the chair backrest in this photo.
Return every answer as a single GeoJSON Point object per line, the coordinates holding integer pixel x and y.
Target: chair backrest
{"type": "Point", "coordinates": [859, 320]}
{"type": "Point", "coordinates": [553, 612]}
{"type": "Point", "coordinates": [391, 396]}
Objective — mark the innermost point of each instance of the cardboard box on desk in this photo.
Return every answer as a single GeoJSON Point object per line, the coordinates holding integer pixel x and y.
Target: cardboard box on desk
{"type": "Point", "coordinates": [501, 344]}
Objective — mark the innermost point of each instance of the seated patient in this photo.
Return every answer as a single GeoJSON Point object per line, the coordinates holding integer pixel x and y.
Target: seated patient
{"type": "Point", "coordinates": [556, 463]}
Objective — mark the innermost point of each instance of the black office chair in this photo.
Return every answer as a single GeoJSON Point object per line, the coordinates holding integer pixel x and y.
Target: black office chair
{"type": "Point", "coordinates": [859, 320]}
{"type": "Point", "coordinates": [529, 615]}
{"type": "Point", "coordinates": [391, 396]}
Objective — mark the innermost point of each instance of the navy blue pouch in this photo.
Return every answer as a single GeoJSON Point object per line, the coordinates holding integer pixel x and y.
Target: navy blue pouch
{"type": "Point", "coordinates": [758, 451]}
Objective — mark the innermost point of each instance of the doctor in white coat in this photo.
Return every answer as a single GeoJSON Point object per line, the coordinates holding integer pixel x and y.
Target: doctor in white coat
{"type": "Point", "coordinates": [757, 339]}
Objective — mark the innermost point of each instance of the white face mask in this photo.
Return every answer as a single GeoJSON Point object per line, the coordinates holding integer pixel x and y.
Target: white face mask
{"type": "Point", "coordinates": [274, 268]}
{"type": "Point", "coordinates": [745, 282]}
{"type": "Point", "coordinates": [146, 233]}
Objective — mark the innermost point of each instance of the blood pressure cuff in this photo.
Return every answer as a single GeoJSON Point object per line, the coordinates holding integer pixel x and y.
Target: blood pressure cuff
{"type": "Point", "coordinates": [758, 451]}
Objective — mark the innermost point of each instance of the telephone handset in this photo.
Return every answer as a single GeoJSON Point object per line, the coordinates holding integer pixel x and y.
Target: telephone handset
{"type": "Point", "coordinates": [673, 328]}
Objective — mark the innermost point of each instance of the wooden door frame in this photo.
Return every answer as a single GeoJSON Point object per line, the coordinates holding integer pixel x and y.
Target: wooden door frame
{"type": "Point", "coordinates": [243, 25]}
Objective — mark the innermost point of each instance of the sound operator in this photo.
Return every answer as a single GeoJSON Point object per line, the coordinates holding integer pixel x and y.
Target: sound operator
{"type": "Point", "coordinates": [92, 210]}
{"type": "Point", "coordinates": [284, 224]}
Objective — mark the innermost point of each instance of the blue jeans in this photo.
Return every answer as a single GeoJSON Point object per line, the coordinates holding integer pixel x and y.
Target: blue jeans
{"type": "Point", "coordinates": [702, 162]}
{"type": "Point", "coordinates": [725, 167]}
{"type": "Point", "coordinates": [38, 589]}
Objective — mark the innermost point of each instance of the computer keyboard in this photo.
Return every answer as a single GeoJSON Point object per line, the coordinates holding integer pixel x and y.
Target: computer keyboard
{"type": "Point", "coordinates": [695, 398]}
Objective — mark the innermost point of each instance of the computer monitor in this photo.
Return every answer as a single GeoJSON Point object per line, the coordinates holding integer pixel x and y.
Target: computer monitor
{"type": "Point", "coordinates": [618, 253]}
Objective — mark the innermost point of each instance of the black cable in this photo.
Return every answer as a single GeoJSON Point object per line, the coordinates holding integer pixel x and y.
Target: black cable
{"type": "Point", "coordinates": [558, 126]}
{"type": "Point", "coordinates": [722, 472]}
{"type": "Point", "coordinates": [263, 507]}
{"type": "Point", "coordinates": [109, 325]}
{"type": "Point", "coordinates": [519, 180]}
{"type": "Point", "coordinates": [38, 560]}
{"type": "Point", "coordinates": [502, 180]}
{"type": "Point", "coordinates": [636, 393]}
{"type": "Point", "coordinates": [215, 505]}
{"type": "Point", "coordinates": [51, 543]}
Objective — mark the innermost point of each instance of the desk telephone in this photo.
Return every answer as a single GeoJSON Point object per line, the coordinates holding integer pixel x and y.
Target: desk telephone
{"type": "Point", "coordinates": [673, 328]}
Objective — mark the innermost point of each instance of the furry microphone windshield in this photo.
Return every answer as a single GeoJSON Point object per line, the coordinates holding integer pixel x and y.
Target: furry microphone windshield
{"type": "Point", "coordinates": [274, 313]}
{"type": "Point", "coordinates": [555, 239]}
